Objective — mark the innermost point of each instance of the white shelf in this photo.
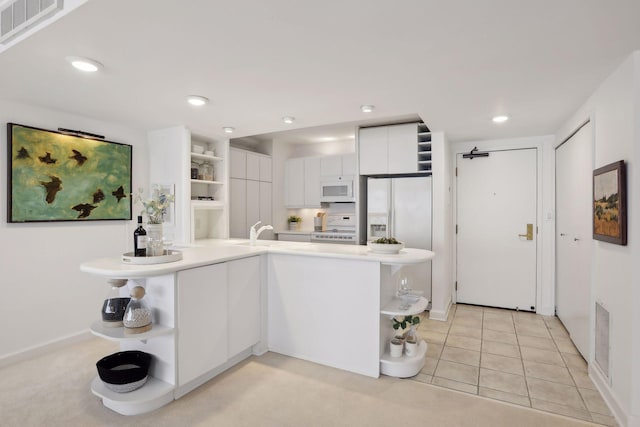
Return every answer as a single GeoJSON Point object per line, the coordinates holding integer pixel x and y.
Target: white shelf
{"type": "Point", "coordinates": [205, 157]}
{"type": "Point", "coordinates": [202, 181]}
{"type": "Point", "coordinates": [207, 204]}
{"type": "Point", "coordinates": [118, 334]}
{"type": "Point", "coordinates": [152, 395]}
{"type": "Point", "coordinates": [405, 366]}
{"type": "Point", "coordinates": [393, 308]}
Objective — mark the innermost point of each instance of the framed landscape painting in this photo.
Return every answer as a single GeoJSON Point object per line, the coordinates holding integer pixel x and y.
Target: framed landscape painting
{"type": "Point", "coordinates": [610, 204]}
{"type": "Point", "coordinates": [55, 176]}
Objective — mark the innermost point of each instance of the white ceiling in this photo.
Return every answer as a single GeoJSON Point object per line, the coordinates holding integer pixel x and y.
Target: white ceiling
{"type": "Point", "coordinates": [454, 63]}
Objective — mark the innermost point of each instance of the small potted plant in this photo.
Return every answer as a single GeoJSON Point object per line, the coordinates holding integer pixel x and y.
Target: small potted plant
{"type": "Point", "coordinates": [410, 337]}
{"type": "Point", "coordinates": [293, 222]}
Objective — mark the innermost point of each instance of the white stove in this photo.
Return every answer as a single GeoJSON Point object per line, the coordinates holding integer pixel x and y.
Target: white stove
{"type": "Point", "coordinates": [341, 228]}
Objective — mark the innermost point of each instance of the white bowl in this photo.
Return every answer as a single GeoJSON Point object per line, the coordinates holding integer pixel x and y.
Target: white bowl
{"type": "Point", "coordinates": [385, 248]}
{"type": "Point", "coordinates": [209, 153]}
{"type": "Point", "coordinates": [198, 149]}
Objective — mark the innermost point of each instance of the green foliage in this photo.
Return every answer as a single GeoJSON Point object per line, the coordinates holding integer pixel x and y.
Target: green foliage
{"type": "Point", "coordinates": [406, 321]}
{"type": "Point", "coordinates": [294, 218]}
{"type": "Point", "coordinates": [387, 241]}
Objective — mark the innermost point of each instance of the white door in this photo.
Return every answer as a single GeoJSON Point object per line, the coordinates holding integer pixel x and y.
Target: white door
{"type": "Point", "coordinates": [496, 204]}
{"type": "Point", "coordinates": [573, 236]}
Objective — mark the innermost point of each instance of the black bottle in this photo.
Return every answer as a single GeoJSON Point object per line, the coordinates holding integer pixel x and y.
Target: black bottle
{"type": "Point", "coordinates": [140, 240]}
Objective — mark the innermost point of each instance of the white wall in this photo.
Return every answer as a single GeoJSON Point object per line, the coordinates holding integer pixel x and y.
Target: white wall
{"type": "Point", "coordinates": [442, 228]}
{"type": "Point", "coordinates": [614, 109]}
{"type": "Point", "coordinates": [45, 297]}
{"type": "Point", "coordinates": [545, 290]}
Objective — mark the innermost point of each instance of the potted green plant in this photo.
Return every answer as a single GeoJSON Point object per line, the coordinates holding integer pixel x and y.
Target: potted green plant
{"type": "Point", "coordinates": [293, 222]}
{"type": "Point", "coordinates": [409, 336]}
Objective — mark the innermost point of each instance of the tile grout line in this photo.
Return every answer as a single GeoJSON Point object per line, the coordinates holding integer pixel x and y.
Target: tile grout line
{"type": "Point", "coordinates": [524, 371]}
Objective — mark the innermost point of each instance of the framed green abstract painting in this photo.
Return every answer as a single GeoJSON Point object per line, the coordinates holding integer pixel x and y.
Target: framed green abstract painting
{"type": "Point", "coordinates": [54, 176]}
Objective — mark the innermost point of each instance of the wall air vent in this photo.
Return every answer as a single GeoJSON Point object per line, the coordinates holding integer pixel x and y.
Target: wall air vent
{"type": "Point", "coordinates": [17, 16]}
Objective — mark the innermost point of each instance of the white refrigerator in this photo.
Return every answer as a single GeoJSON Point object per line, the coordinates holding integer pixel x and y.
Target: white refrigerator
{"type": "Point", "coordinates": [401, 208]}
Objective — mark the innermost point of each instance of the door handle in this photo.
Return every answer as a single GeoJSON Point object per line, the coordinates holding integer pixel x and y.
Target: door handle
{"type": "Point", "coordinates": [529, 234]}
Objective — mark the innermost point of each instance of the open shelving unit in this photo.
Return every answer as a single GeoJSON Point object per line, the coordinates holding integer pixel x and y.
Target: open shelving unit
{"type": "Point", "coordinates": [404, 366]}
{"type": "Point", "coordinates": [201, 205]}
{"type": "Point", "coordinates": [159, 342]}
{"type": "Point", "coordinates": [424, 149]}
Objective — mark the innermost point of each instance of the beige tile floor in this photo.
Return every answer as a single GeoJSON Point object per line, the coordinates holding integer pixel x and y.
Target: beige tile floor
{"type": "Point", "coordinates": [513, 356]}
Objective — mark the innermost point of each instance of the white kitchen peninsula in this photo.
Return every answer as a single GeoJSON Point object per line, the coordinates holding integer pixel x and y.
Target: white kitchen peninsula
{"type": "Point", "coordinates": [226, 300]}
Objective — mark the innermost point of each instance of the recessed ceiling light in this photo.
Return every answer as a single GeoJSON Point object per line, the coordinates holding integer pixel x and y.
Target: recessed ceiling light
{"type": "Point", "coordinates": [228, 129]}
{"type": "Point", "coordinates": [197, 100]}
{"type": "Point", "coordinates": [84, 64]}
{"type": "Point", "coordinates": [367, 108]}
{"type": "Point", "coordinates": [500, 119]}
{"type": "Point", "coordinates": [288, 119]}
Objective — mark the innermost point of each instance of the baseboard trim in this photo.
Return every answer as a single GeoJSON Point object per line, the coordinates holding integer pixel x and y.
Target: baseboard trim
{"type": "Point", "coordinates": [601, 383]}
{"type": "Point", "coordinates": [440, 315]}
{"type": "Point", "coordinates": [47, 347]}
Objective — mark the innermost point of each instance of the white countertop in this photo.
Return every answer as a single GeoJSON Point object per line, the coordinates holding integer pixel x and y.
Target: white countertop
{"type": "Point", "coordinates": [213, 251]}
{"type": "Point", "coordinates": [293, 231]}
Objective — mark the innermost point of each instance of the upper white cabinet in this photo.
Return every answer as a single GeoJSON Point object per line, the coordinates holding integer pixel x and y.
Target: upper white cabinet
{"type": "Point", "coordinates": [200, 202]}
{"type": "Point", "coordinates": [393, 149]}
{"type": "Point", "coordinates": [302, 182]}
{"type": "Point", "coordinates": [250, 192]}
{"type": "Point", "coordinates": [338, 165]}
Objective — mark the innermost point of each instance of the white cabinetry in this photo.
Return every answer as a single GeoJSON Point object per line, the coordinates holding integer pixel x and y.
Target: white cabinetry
{"type": "Point", "coordinates": [394, 149]}
{"type": "Point", "coordinates": [243, 314]}
{"type": "Point", "coordinates": [200, 203]}
{"type": "Point", "coordinates": [338, 165]}
{"type": "Point", "coordinates": [302, 182]}
{"type": "Point", "coordinates": [219, 315]}
{"type": "Point", "coordinates": [202, 321]}
{"type": "Point", "coordinates": [249, 192]}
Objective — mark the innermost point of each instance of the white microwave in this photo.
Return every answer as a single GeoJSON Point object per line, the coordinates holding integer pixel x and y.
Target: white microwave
{"type": "Point", "coordinates": [337, 189]}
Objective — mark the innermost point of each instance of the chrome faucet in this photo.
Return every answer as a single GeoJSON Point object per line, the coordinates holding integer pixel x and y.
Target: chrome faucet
{"type": "Point", "coordinates": [254, 234]}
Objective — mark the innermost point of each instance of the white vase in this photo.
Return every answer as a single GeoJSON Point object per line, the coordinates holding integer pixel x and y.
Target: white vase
{"type": "Point", "coordinates": [411, 347]}
{"type": "Point", "coordinates": [293, 226]}
{"type": "Point", "coordinates": [395, 347]}
{"type": "Point", "coordinates": [154, 240]}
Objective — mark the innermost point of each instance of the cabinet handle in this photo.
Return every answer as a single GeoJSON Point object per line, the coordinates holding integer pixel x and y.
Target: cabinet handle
{"type": "Point", "coordinates": [562, 234]}
{"type": "Point", "coordinates": [575, 239]}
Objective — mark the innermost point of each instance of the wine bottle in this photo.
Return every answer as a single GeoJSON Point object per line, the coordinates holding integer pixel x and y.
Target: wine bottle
{"type": "Point", "coordinates": [140, 240]}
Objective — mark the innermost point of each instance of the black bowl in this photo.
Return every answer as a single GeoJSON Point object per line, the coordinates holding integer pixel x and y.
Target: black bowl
{"type": "Point", "coordinates": [122, 368]}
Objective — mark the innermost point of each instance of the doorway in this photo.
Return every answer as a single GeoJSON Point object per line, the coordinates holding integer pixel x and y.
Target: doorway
{"type": "Point", "coordinates": [496, 229]}
{"type": "Point", "coordinates": [574, 165]}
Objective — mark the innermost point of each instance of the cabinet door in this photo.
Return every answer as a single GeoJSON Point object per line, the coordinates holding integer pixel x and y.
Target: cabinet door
{"type": "Point", "coordinates": [266, 215]}
{"type": "Point", "coordinates": [373, 150]}
{"type": "Point", "coordinates": [202, 321]}
{"type": "Point", "coordinates": [244, 304]}
{"type": "Point", "coordinates": [237, 163]}
{"type": "Point", "coordinates": [349, 166]}
{"type": "Point", "coordinates": [294, 183]}
{"type": "Point", "coordinates": [253, 166]}
{"type": "Point", "coordinates": [253, 204]}
{"type": "Point", "coordinates": [331, 166]}
{"type": "Point", "coordinates": [403, 148]}
{"type": "Point", "coordinates": [312, 182]}
{"type": "Point", "coordinates": [265, 169]}
{"type": "Point", "coordinates": [238, 208]}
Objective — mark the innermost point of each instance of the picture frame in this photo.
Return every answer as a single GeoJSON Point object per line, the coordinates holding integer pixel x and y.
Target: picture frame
{"type": "Point", "coordinates": [56, 176]}
{"type": "Point", "coordinates": [610, 203]}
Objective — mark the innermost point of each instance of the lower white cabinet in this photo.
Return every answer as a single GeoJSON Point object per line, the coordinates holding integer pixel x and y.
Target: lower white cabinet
{"type": "Point", "coordinates": [219, 315]}
{"type": "Point", "coordinates": [202, 321]}
{"type": "Point", "coordinates": [243, 316]}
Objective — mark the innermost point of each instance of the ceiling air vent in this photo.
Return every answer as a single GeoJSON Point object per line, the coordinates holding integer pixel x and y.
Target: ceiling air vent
{"type": "Point", "coordinates": [18, 15]}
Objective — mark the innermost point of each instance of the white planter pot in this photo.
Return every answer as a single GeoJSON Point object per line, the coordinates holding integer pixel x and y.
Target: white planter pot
{"type": "Point", "coordinates": [293, 226]}
{"type": "Point", "coordinates": [395, 347]}
{"type": "Point", "coordinates": [411, 348]}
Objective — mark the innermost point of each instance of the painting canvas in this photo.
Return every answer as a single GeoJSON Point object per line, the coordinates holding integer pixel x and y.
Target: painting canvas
{"type": "Point", "coordinates": [609, 204]}
{"type": "Point", "coordinates": [54, 176]}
